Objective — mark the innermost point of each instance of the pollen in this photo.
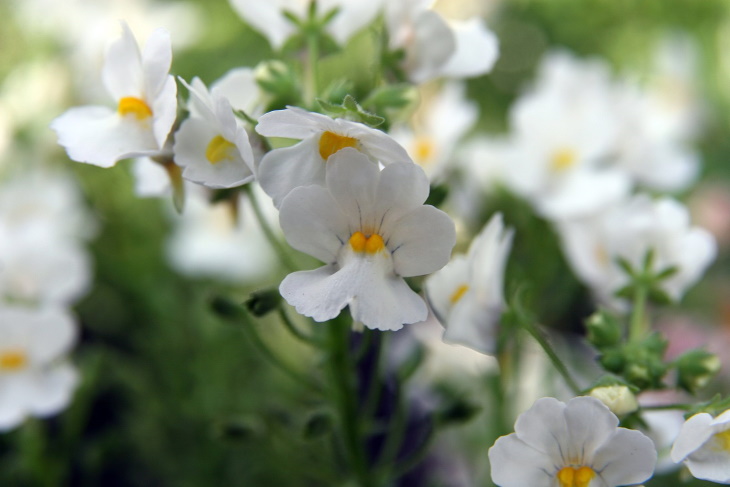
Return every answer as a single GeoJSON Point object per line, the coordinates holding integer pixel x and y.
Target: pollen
{"type": "Point", "coordinates": [459, 293]}
{"type": "Point", "coordinates": [371, 245]}
{"type": "Point", "coordinates": [12, 360]}
{"type": "Point", "coordinates": [129, 105]}
{"type": "Point", "coordinates": [219, 149]}
{"type": "Point", "coordinates": [423, 150]}
{"type": "Point", "coordinates": [575, 477]}
{"type": "Point", "coordinates": [330, 143]}
{"type": "Point", "coordinates": [563, 158]}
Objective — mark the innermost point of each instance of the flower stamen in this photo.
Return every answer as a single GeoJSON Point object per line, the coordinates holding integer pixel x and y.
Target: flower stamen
{"type": "Point", "coordinates": [423, 150]}
{"type": "Point", "coordinates": [371, 245]}
{"type": "Point", "coordinates": [575, 477]}
{"type": "Point", "coordinates": [722, 440]}
{"type": "Point", "coordinates": [563, 158]}
{"type": "Point", "coordinates": [459, 293]}
{"type": "Point", "coordinates": [13, 360]}
{"type": "Point", "coordinates": [219, 149]}
{"type": "Point", "coordinates": [331, 143]}
{"type": "Point", "coordinates": [130, 105]}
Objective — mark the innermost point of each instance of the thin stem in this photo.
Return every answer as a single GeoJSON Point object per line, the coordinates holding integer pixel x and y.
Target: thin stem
{"type": "Point", "coordinates": [638, 327]}
{"type": "Point", "coordinates": [299, 334]}
{"type": "Point", "coordinates": [290, 371]}
{"type": "Point", "coordinates": [269, 232]}
{"type": "Point", "coordinates": [663, 407]}
{"type": "Point", "coordinates": [557, 363]}
{"type": "Point", "coordinates": [345, 397]}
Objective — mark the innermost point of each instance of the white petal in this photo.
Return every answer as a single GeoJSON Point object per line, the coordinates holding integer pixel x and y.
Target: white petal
{"type": "Point", "coordinates": [402, 187]}
{"type": "Point", "coordinates": [14, 395]}
{"type": "Point", "coordinates": [52, 389]}
{"type": "Point", "coordinates": [473, 325]}
{"type": "Point", "coordinates": [694, 433]}
{"type": "Point", "coordinates": [320, 294]}
{"type": "Point", "coordinates": [122, 72]}
{"type": "Point", "coordinates": [282, 170]}
{"type": "Point", "coordinates": [543, 427]}
{"type": "Point", "coordinates": [240, 88]}
{"type": "Point", "coordinates": [353, 16]}
{"type": "Point", "coordinates": [516, 464]}
{"type": "Point", "coordinates": [97, 135]}
{"type": "Point", "coordinates": [54, 333]}
{"type": "Point", "coordinates": [266, 17]}
{"type": "Point", "coordinates": [164, 108]}
{"type": "Point", "coordinates": [590, 423]}
{"type": "Point", "coordinates": [488, 256]}
{"type": "Point", "coordinates": [710, 463]}
{"type": "Point", "coordinates": [421, 241]}
{"type": "Point", "coordinates": [434, 43]}
{"type": "Point", "coordinates": [476, 50]}
{"type": "Point", "coordinates": [442, 284]}
{"type": "Point", "coordinates": [156, 61]}
{"type": "Point", "coordinates": [352, 178]}
{"type": "Point", "coordinates": [627, 458]}
{"type": "Point", "coordinates": [292, 123]}
{"type": "Point", "coordinates": [381, 146]}
{"type": "Point", "coordinates": [313, 224]}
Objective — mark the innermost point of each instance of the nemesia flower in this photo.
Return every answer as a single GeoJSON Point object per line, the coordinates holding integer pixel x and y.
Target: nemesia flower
{"type": "Point", "coordinates": [146, 105]}
{"type": "Point", "coordinates": [629, 231]}
{"type": "Point", "coordinates": [268, 17]}
{"type": "Point", "coordinates": [578, 444]}
{"type": "Point", "coordinates": [703, 445]}
{"type": "Point", "coordinates": [212, 145]}
{"type": "Point", "coordinates": [435, 47]}
{"type": "Point", "coordinates": [302, 164]}
{"type": "Point", "coordinates": [436, 128]}
{"type": "Point", "coordinates": [34, 379]}
{"type": "Point", "coordinates": [371, 229]}
{"type": "Point", "coordinates": [467, 293]}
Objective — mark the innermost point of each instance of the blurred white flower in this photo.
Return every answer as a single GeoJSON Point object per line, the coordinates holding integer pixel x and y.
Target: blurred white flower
{"type": "Point", "coordinates": [212, 145]}
{"type": "Point", "coordinates": [578, 444]}
{"type": "Point", "coordinates": [434, 47]}
{"type": "Point", "coordinates": [302, 164]}
{"type": "Point", "coordinates": [703, 445]}
{"type": "Point", "coordinates": [435, 129]}
{"type": "Point", "coordinates": [268, 18]}
{"type": "Point", "coordinates": [629, 231]}
{"type": "Point", "coordinates": [467, 294]}
{"type": "Point", "coordinates": [240, 88]}
{"type": "Point", "coordinates": [563, 132]}
{"type": "Point", "coordinates": [34, 378]}
{"type": "Point", "coordinates": [221, 240]}
{"type": "Point", "coordinates": [371, 229]}
{"type": "Point", "coordinates": [146, 105]}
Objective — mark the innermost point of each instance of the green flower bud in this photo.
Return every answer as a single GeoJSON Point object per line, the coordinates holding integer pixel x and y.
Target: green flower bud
{"type": "Point", "coordinates": [604, 330]}
{"type": "Point", "coordinates": [695, 369]}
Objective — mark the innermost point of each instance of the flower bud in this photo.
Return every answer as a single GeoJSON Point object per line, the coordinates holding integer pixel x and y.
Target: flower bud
{"type": "Point", "coordinates": [619, 398]}
{"type": "Point", "coordinates": [603, 329]}
{"type": "Point", "coordinates": [695, 369]}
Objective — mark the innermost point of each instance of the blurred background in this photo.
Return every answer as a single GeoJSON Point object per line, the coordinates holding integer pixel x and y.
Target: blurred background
{"type": "Point", "coordinates": [172, 394]}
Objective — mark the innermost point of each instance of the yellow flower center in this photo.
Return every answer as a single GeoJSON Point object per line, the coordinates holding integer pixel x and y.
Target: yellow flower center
{"type": "Point", "coordinates": [330, 143]}
{"type": "Point", "coordinates": [372, 244]}
{"type": "Point", "coordinates": [722, 440]}
{"type": "Point", "coordinates": [563, 159]}
{"type": "Point", "coordinates": [575, 477]}
{"type": "Point", "coordinates": [12, 360]}
{"type": "Point", "coordinates": [219, 149]}
{"type": "Point", "coordinates": [423, 150]}
{"type": "Point", "coordinates": [130, 105]}
{"type": "Point", "coordinates": [459, 293]}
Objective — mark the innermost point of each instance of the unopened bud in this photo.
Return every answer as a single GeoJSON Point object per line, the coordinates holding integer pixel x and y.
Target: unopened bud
{"type": "Point", "coordinates": [619, 398]}
{"type": "Point", "coordinates": [695, 369]}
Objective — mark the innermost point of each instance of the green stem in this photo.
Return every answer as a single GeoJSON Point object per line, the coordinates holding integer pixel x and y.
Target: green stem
{"type": "Point", "coordinates": [557, 363]}
{"type": "Point", "coordinates": [344, 392]}
{"type": "Point", "coordinates": [312, 67]}
{"type": "Point", "coordinates": [417, 456]}
{"type": "Point", "coordinates": [663, 407]}
{"type": "Point", "coordinates": [299, 334]}
{"type": "Point", "coordinates": [638, 327]}
{"type": "Point", "coordinates": [283, 252]}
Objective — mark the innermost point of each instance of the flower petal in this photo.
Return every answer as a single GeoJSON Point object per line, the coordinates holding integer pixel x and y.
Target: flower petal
{"type": "Point", "coordinates": [421, 241]}
{"type": "Point", "coordinates": [476, 51]}
{"type": "Point", "coordinates": [402, 187]}
{"type": "Point", "coordinates": [292, 123]}
{"type": "Point", "coordinates": [694, 433]}
{"type": "Point", "coordinates": [517, 464]}
{"type": "Point", "coordinates": [627, 458]}
{"type": "Point", "coordinates": [353, 15]}
{"type": "Point", "coordinates": [320, 294]}
{"type": "Point", "coordinates": [282, 170]}
{"type": "Point", "coordinates": [543, 427]}
{"type": "Point", "coordinates": [164, 108]}
{"type": "Point", "coordinates": [156, 61]}
{"type": "Point", "coordinates": [352, 178]}
{"type": "Point", "coordinates": [51, 390]}
{"type": "Point", "coordinates": [590, 423]}
{"type": "Point", "coordinates": [122, 71]}
{"type": "Point", "coordinates": [266, 17]}
{"type": "Point", "coordinates": [434, 44]}
{"type": "Point", "coordinates": [313, 224]}
{"type": "Point", "coordinates": [97, 135]}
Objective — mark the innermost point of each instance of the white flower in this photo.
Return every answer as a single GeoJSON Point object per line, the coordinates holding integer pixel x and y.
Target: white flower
{"type": "Point", "coordinates": [629, 231]}
{"type": "Point", "coordinates": [434, 47]}
{"type": "Point", "coordinates": [371, 229]}
{"type": "Point", "coordinates": [268, 18]}
{"type": "Point", "coordinates": [467, 294]}
{"type": "Point", "coordinates": [703, 445]}
{"type": "Point", "coordinates": [282, 170]}
{"type": "Point", "coordinates": [240, 88]}
{"type": "Point", "coordinates": [34, 379]}
{"type": "Point", "coordinates": [436, 128]}
{"type": "Point", "coordinates": [573, 445]}
{"type": "Point", "coordinates": [146, 105]}
{"type": "Point", "coordinates": [212, 145]}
